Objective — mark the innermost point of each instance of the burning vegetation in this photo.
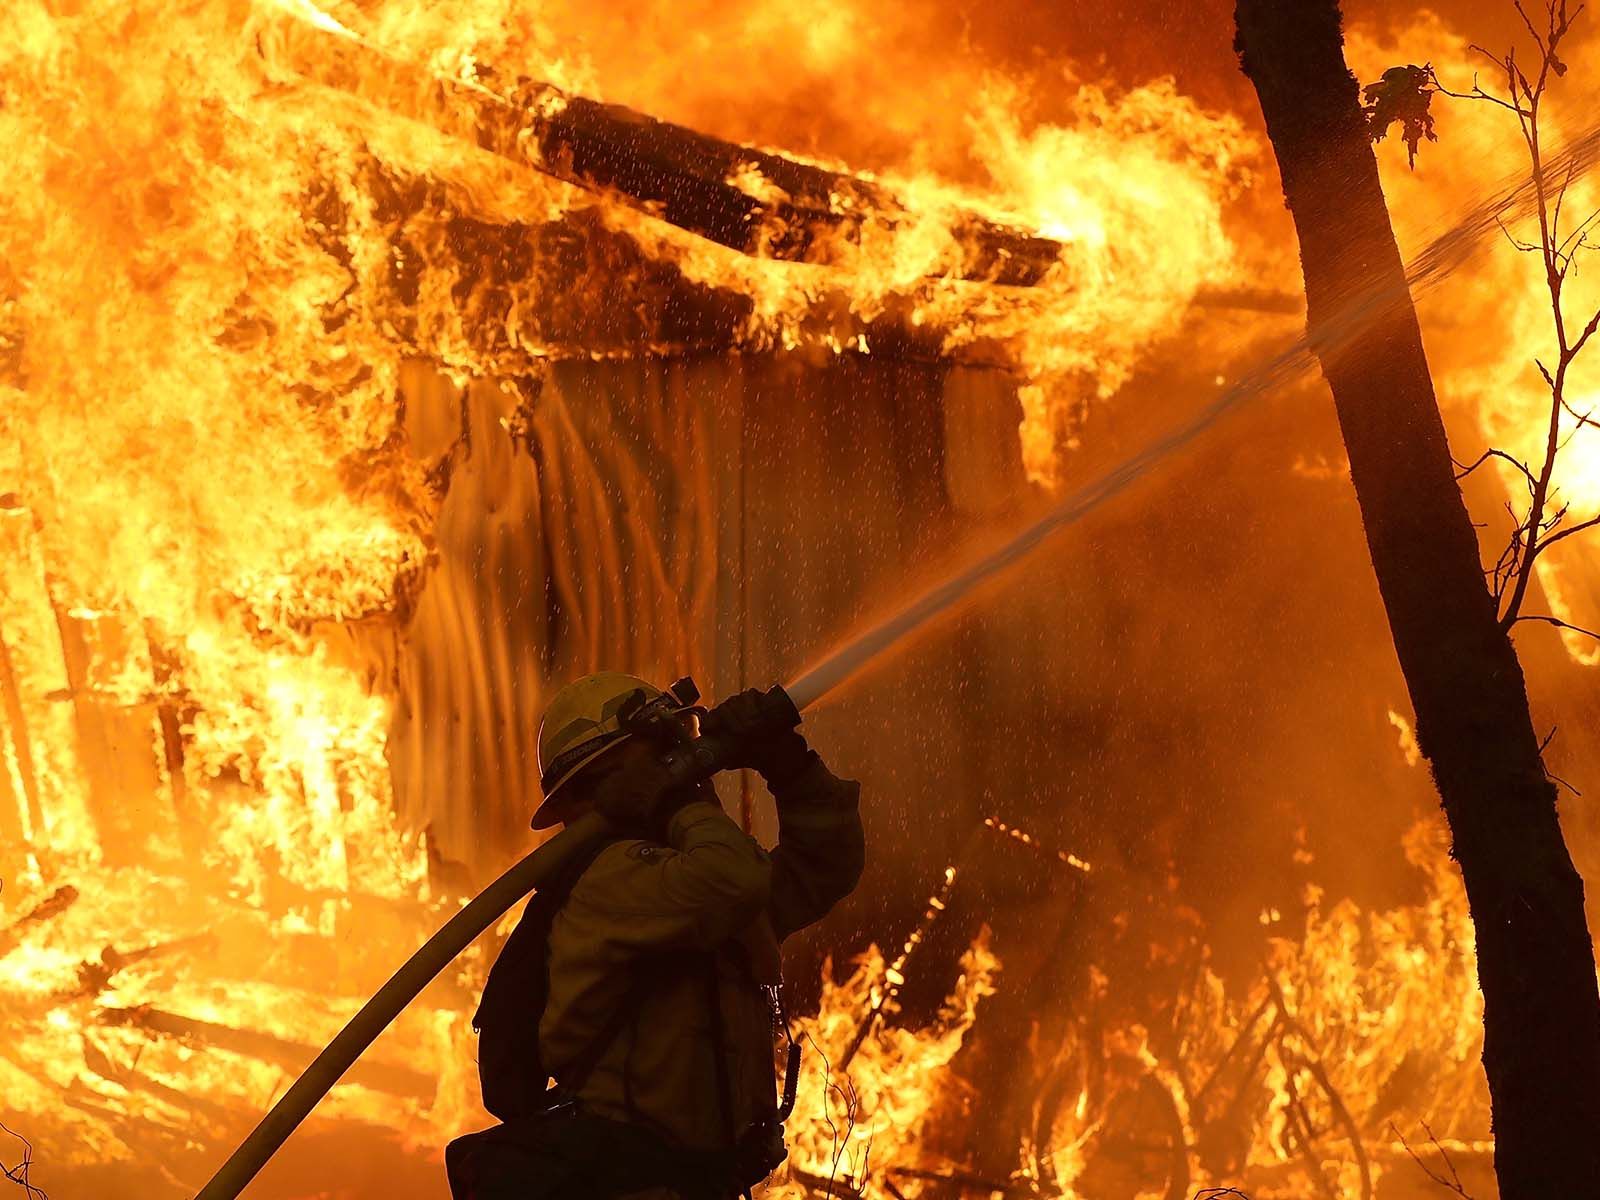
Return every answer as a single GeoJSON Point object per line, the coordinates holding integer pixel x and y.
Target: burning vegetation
{"type": "Point", "coordinates": [369, 368]}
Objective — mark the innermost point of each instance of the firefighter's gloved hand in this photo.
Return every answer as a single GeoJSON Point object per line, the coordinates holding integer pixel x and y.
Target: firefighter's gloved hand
{"type": "Point", "coordinates": [761, 728]}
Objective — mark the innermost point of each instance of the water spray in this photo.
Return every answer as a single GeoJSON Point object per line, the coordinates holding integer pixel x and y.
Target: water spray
{"type": "Point", "coordinates": [1443, 255]}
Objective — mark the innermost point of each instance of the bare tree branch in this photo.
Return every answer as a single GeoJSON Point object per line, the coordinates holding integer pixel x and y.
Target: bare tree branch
{"type": "Point", "coordinates": [1492, 452]}
{"type": "Point", "coordinates": [1516, 242]}
{"type": "Point", "coordinates": [1580, 527]}
{"type": "Point", "coordinates": [19, 1173]}
{"type": "Point", "coordinates": [1581, 418]}
{"type": "Point", "coordinates": [1477, 92]}
{"type": "Point", "coordinates": [1453, 1181]}
{"type": "Point", "coordinates": [1576, 237]}
{"type": "Point", "coordinates": [1532, 534]}
{"type": "Point", "coordinates": [1588, 332]}
{"type": "Point", "coordinates": [1557, 621]}
{"type": "Point", "coordinates": [1549, 774]}
{"type": "Point", "coordinates": [1561, 195]}
{"type": "Point", "coordinates": [1527, 24]}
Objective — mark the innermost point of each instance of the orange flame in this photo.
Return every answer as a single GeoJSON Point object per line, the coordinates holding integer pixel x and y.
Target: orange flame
{"type": "Point", "coordinates": [208, 519]}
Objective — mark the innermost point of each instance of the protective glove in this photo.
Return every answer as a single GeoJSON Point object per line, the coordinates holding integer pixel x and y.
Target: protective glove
{"type": "Point", "coordinates": [760, 727]}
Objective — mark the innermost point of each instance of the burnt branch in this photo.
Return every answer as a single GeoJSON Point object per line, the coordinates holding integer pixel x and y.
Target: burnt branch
{"type": "Point", "coordinates": [850, 1101]}
{"type": "Point", "coordinates": [1523, 95]}
{"type": "Point", "coordinates": [1451, 1182]}
{"type": "Point", "coordinates": [1569, 531]}
{"type": "Point", "coordinates": [19, 1173]}
{"type": "Point", "coordinates": [1516, 242]}
{"type": "Point", "coordinates": [1546, 619]}
{"type": "Point", "coordinates": [1544, 744]}
{"type": "Point", "coordinates": [1493, 452]}
{"type": "Point", "coordinates": [1583, 419]}
{"type": "Point", "coordinates": [52, 906]}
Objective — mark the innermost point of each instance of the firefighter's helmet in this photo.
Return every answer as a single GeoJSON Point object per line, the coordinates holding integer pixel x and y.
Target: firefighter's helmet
{"type": "Point", "coordinates": [581, 725]}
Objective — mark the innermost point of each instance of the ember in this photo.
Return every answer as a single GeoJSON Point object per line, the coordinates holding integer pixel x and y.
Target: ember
{"type": "Point", "coordinates": [369, 368]}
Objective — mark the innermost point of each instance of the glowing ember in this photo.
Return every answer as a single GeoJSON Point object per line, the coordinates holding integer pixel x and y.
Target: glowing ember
{"type": "Point", "coordinates": [859, 1118]}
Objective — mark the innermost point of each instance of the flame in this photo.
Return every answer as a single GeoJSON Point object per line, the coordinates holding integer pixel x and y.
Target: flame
{"type": "Point", "coordinates": [1129, 165]}
{"type": "Point", "coordinates": [208, 517]}
{"type": "Point", "coordinates": [211, 527]}
{"type": "Point", "coordinates": [855, 1119]}
{"type": "Point", "coordinates": [1360, 1020]}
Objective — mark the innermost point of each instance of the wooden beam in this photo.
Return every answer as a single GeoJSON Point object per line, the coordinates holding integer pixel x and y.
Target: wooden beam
{"type": "Point", "coordinates": [753, 201]}
{"type": "Point", "coordinates": [48, 909]}
{"type": "Point", "coordinates": [292, 1056]}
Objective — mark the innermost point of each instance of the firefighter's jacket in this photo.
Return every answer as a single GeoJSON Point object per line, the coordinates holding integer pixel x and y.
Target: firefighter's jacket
{"type": "Point", "coordinates": [650, 926]}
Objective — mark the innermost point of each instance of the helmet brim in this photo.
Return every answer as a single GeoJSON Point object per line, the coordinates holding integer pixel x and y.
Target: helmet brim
{"type": "Point", "coordinates": [553, 809]}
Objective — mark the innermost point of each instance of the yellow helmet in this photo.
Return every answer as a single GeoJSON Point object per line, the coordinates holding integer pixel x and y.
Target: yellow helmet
{"type": "Point", "coordinates": [579, 727]}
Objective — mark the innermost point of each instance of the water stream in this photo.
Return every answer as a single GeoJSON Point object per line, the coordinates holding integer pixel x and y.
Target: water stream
{"type": "Point", "coordinates": [1443, 256]}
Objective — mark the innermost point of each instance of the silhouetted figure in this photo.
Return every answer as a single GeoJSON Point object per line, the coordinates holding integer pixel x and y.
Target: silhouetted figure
{"type": "Point", "coordinates": [645, 982]}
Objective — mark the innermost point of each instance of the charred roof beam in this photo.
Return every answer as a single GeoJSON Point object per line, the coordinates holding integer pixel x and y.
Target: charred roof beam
{"type": "Point", "coordinates": [752, 201]}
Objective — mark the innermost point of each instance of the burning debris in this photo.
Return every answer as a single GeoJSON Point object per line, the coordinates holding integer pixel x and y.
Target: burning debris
{"type": "Point", "coordinates": [746, 199]}
{"type": "Point", "coordinates": [872, 1100]}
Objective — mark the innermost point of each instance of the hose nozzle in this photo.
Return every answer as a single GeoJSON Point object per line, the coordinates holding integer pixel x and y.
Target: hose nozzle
{"type": "Point", "coordinates": [689, 760]}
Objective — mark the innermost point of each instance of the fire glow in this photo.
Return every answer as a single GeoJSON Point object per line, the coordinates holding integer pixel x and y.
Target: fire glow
{"type": "Point", "coordinates": [219, 264]}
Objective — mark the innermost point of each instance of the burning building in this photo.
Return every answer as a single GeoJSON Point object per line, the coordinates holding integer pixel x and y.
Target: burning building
{"type": "Point", "coordinates": [365, 377]}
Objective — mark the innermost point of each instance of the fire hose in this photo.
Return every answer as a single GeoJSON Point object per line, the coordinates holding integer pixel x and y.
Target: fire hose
{"type": "Point", "coordinates": [686, 762]}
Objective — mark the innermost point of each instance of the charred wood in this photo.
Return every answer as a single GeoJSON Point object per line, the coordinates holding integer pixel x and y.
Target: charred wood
{"type": "Point", "coordinates": [51, 907]}
{"type": "Point", "coordinates": [684, 177]}
{"type": "Point", "coordinates": [95, 975]}
{"type": "Point", "coordinates": [293, 1056]}
{"type": "Point", "coordinates": [101, 1063]}
{"type": "Point", "coordinates": [529, 292]}
{"type": "Point", "coordinates": [115, 751]}
{"type": "Point", "coordinates": [173, 712]}
{"type": "Point", "coordinates": [15, 737]}
{"type": "Point", "coordinates": [749, 200]}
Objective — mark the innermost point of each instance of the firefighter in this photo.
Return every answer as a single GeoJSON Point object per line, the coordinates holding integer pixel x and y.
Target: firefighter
{"type": "Point", "coordinates": [647, 982]}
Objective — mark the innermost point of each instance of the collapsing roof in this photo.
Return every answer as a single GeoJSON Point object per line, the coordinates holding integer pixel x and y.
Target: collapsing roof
{"type": "Point", "coordinates": [614, 273]}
